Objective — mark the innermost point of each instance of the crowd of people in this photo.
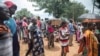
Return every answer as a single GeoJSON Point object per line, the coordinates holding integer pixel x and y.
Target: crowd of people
{"type": "Point", "coordinates": [33, 30]}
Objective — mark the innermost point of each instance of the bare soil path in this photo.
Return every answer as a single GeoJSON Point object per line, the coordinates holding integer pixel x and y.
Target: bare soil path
{"type": "Point", "coordinates": [53, 51]}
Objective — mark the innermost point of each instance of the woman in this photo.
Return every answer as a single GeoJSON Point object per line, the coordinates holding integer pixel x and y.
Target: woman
{"type": "Point", "coordinates": [36, 42]}
{"type": "Point", "coordinates": [89, 46]}
{"type": "Point", "coordinates": [25, 26]}
{"type": "Point", "coordinates": [64, 38]}
{"type": "Point", "coordinates": [13, 27]}
{"type": "Point", "coordinates": [50, 35]}
{"type": "Point", "coordinates": [79, 32]}
{"type": "Point", "coordinates": [5, 34]}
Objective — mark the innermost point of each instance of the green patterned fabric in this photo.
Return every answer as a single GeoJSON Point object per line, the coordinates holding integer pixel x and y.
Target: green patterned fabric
{"type": "Point", "coordinates": [85, 52]}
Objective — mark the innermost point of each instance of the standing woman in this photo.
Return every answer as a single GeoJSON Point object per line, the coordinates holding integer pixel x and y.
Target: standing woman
{"type": "Point", "coordinates": [50, 35]}
{"type": "Point", "coordinates": [64, 38]}
{"type": "Point", "coordinates": [89, 46]}
{"type": "Point", "coordinates": [11, 23]}
{"type": "Point", "coordinates": [36, 41]}
{"type": "Point", "coordinates": [25, 26]}
{"type": "Point", "coordinates": [5, 34]}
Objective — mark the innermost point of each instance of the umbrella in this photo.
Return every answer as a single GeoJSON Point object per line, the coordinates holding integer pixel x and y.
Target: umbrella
{"type": "Point", "coordinates": [91, 20]}
{"type": "Point", "coordinates": [89, 16]}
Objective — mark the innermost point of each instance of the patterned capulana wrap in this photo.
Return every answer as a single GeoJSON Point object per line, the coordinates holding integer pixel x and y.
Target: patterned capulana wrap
{"type": "Point", "coordinates": [37, 42]}
{"type": "Point", "coordinates": [5, 41]}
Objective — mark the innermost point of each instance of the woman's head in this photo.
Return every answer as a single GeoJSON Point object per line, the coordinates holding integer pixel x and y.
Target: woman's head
{"type": "Point", "coordinates": [12, 7]}
{"type": "Point", "coordinates": [38, 18]}
{"type": "Point", "coordinates": [34, 21]}
{"type": "Point", "coordinates": [63, 24]}
{"type": "Point", "coordinates": [49, 22]}
{"type": "Point", "coordinates": [4, 12]}
{"type": "Point", "coordinates": [91, 26]}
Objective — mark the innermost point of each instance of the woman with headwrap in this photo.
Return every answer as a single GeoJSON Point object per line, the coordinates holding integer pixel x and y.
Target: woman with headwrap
{"type": "Point", "coordinates": [36, 41]}
{"type": "Point", "coordinates": [89, 43]}
{"type": "Point", "coordinates": [12, 25]}
{"type": "Point", "coordinates": [5, 34]}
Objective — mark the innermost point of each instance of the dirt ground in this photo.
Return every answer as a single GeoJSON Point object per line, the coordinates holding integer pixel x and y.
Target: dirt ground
{"type": "Point", "coordinates": [53, 51]}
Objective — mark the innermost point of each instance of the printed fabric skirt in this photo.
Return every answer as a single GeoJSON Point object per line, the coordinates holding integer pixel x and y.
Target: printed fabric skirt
{"type": "Point", "coordinates": [38, 47]}
{"type": "Point", "coordinates": [64, 44]}
{"type": "Point", "coordinates": [77, 36]}
{"type": "Point", "coordinates": [6, 47]}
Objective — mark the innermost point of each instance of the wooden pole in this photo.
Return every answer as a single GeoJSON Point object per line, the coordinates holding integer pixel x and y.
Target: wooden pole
{"type": "Point", "coordinates": [93, 6]}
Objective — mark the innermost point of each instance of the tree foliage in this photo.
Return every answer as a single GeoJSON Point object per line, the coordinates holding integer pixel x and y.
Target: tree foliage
{"type": "Point", "coordinates": [55, 7]}
{"type": "Point", "coordinates": [61, 8]}
{"type": "Point", "coordinates": [74, 10]}
{"type": "Point", "coordinates": [97, 3]}
{"type": "Point", "coordinates": [23, 12]}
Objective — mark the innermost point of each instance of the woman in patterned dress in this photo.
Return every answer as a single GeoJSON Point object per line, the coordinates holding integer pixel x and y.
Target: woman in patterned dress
{"type": "Point", "coordinates": [89, 45]}
{"type": "Point", "coordinates": [36, 42]}
{"type": "Point", "coordinates": [64, 38]}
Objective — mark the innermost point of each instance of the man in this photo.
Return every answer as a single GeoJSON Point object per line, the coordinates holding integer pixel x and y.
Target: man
{"type": "Point", "coordinates": [12, 25]}
{"type": "Point", "coordinates": [71, 30]}
{"type": "Point", "coordinates": [5, 35]}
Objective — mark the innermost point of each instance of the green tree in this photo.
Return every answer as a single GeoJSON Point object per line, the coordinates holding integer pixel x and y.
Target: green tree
{"type": "Point", "coordinates": [23, 12]}
{"type": "Point", "coordinates": [74, 10]}
{"type": "Point", "coordinates": [97, 3]}
{"type": "Point", "coordinates": [61, 8]}
{"type": "Point", "coordinates": [55, 7]}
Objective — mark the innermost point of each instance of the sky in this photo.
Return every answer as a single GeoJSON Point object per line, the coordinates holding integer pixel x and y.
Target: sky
{"type": "Point", "coordinates": [25, 4]}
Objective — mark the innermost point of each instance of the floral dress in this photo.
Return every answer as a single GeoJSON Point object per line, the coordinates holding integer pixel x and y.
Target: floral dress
{"type": "Point", "coordinates": [37, 41]}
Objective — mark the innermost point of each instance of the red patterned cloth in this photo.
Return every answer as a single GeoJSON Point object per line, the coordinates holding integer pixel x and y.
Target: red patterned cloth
{"type": "Point", "coordinates": [9, 4]}
{"type": "Point", "coordinates": [50, 29]}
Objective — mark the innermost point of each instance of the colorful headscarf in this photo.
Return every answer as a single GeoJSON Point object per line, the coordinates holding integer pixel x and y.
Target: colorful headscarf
{"type": "Point", "coordinates": [9, 4]}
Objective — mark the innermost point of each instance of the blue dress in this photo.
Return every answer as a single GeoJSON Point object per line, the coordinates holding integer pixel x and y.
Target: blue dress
{"type": "Point", "coordinates": [11, 24]}
{"type": "Point", "coordinates": [13, 27]}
